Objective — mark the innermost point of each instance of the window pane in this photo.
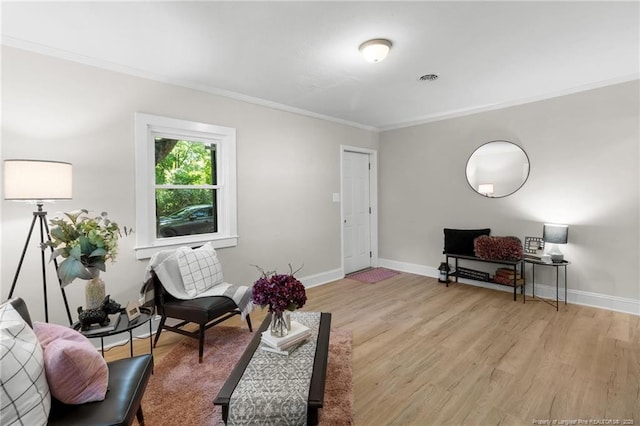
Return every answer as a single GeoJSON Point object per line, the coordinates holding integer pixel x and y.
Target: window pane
{"type": "Point", "coordinates": [185, 212]}
{"type": "Point", "coordinates": [181, 162]}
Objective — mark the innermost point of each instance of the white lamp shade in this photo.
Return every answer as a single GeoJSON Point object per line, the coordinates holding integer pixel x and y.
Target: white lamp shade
{"type": "Point", "coordinates": [375, 50]}
{"type": "Point", "coordinates": [34, 180]}
{"type": "Point", "coordinates": [485, 188]}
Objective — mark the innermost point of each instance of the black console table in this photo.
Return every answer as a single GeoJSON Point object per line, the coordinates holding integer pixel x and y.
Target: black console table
{"type": "Point", "coordinates": [513, 264]}
{"type": "Point", "coordinates": [556, 266]}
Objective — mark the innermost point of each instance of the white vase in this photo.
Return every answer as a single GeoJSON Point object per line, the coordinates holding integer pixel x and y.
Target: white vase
{"type": "Point", "coordinates": [94, 291]}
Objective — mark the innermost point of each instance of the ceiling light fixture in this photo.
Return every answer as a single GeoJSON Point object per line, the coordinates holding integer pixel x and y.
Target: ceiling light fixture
{"type": "Point", "coordinates": [375, 50]}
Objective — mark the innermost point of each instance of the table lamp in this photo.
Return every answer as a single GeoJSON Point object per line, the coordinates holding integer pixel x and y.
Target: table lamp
{"type": "Point", "coordinates": [486, 189]}
{"type": "Point", "coordinates": [37, 181]}
{"type": "Point", "coordinates": [555, 234]}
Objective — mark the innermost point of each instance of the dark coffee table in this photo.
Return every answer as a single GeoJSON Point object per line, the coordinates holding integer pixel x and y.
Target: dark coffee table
{"type": "Point", "coordinates": [318, 375]}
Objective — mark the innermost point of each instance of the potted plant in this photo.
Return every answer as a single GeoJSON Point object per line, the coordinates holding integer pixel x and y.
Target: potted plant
{"type": "Point", "coordinates": [85, 243]}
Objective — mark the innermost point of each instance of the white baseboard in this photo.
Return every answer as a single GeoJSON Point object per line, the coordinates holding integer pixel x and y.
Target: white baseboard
{"type": "Point", "coordinates": [142, 332]}
{"type": "Point", "coordinates": [577, 297]}
{"type": "Point", "coordinates": [412, 268]}
{"type": "Point", "coordinates": [322, 278]}
{"type": "Point", "coordinates": [121, 339]}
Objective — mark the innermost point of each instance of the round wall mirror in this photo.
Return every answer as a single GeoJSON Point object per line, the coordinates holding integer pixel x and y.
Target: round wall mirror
{"type": "Point", "coordinates": [497, 169]}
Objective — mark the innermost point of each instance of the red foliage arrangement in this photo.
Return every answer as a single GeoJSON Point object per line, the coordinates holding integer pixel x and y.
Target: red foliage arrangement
{"type": "Point", "coordinates": [498, 248]}
{"type": "Point", "coordinates": [279, 291]}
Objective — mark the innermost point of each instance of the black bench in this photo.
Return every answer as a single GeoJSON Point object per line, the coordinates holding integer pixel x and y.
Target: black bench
{"type": "Point", "coordinates": [458, 244]}
{"type": "Point", "coordinates": [513, 264]}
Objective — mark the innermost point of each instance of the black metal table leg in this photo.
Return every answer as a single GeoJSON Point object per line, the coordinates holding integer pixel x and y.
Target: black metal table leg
{"type": "Point", "coordinates": [565, 284]}
{"type": "Point", "coordinates": [557, 277]}
{"type": "Point", "coordinates": [456, 269]}
{"type": "Point", "coordinates": [447, 271]}
{"type": "Point", "coordinates": [150, 338]}
{"type": "Point", "coordinates": [533, 280]}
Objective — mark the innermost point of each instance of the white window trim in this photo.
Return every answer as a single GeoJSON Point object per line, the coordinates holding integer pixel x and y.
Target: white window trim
{"type": "Point", "coordinates": [146, 125]}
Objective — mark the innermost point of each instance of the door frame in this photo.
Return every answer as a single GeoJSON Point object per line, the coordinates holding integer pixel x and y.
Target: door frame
{"type": "Point", "coordinates": [373, 201]}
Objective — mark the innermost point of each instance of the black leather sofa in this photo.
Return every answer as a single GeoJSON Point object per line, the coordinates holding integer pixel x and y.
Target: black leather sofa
{"type": "Point", "coordinates": [128, 380]}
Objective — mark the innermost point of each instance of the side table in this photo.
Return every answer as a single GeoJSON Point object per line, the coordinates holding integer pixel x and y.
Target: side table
{"type": "Point", "coordinates": [556, 266]}
{"type": "Point", "coordinates": [124, 325]}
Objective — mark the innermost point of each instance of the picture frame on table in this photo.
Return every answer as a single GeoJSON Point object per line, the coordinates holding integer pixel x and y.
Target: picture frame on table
{"type": "Point", "coordinates": [132, 310]}
{"type": "Point", "coordinates": [534, 247]}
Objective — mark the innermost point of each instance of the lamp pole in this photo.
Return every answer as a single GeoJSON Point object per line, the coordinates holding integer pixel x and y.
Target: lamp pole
{"type": "Point", "coordinates": [42, 217]}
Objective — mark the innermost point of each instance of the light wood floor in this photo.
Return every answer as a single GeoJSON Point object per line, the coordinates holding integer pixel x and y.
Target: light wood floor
{"type": "Point", "coordinates": [424, 354]}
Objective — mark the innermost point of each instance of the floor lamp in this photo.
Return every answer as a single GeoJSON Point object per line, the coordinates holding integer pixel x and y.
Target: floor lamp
{"type": "Point", "coordinates": [37, 181]}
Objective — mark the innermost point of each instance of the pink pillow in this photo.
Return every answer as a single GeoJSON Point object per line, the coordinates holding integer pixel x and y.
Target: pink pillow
{"type": "Point", "coordinates": [75, 370]}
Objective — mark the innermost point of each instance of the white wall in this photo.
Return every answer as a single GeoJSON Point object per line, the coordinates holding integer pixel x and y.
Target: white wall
{"type": "Point", "coordinates": [584, 154]}
{"type": "Point", "coordinates": [288, 168]}
{"type": "Point", "coordinates": [584, 171]}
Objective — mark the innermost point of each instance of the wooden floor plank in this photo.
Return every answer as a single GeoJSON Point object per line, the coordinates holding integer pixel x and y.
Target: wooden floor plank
{"type": "Point", "coordinates": [426, 354]}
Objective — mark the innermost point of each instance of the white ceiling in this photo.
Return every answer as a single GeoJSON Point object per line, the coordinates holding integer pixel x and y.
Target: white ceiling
{"type": "Point", "coordinates": [303, 56]}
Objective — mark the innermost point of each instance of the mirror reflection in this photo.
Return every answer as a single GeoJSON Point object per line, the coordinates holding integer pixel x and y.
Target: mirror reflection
{"type": "Point", "coordinates": [497, 169]}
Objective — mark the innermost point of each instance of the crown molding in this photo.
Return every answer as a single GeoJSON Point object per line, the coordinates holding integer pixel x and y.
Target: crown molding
{"type": "Point", "coordinates": [501, 105]}
{"type": "Point", "coordinates": [123, 69]}
{"type": "Point", "coordinates": [119, 68]}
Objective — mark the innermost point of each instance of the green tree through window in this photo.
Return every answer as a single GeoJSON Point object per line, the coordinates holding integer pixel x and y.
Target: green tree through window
{"type": "Point", "coordinates": [186, 193]}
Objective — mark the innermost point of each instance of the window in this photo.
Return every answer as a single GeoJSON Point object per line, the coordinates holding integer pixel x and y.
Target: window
{"type": "Point", "coordinates": [185, 187]}
{"type": "Point", "coordinates": [185, 184]}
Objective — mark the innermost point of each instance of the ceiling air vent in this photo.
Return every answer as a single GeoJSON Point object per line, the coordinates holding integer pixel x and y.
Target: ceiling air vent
{"type": "Point", "coordinates": [429, 77]}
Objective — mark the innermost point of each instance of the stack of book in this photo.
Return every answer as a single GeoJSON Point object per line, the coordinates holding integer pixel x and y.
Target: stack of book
{"type": "Point", "coordinates": [506, 276]}
{"type": "Point", "coordinates": [286, 344]}
{"type": "Point", "coordinates": [472, 274]}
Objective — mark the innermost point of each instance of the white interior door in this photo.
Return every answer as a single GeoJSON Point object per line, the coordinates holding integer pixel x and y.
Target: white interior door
{"type": "Point", "coordinates": [356, 211]}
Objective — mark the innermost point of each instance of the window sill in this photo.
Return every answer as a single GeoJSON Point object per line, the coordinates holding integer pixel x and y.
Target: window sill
{"type": "Point", "coordinates": [145, 252]}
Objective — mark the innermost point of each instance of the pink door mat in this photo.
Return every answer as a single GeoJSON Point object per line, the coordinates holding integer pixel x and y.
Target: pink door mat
{"type": "Point", "coordinates": [373, 275]}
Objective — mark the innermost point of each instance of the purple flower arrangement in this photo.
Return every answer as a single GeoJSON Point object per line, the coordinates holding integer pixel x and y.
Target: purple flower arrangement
{"type": "Point", "coordinates": [279, 291]}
